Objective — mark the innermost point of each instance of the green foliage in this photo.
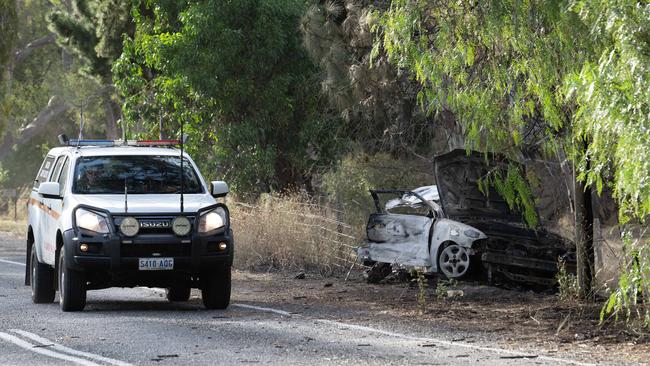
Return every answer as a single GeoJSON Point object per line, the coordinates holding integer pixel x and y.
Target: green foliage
{"type": "Point", "coordinates": [630, 298]}
{"type": "Point", "coordinates": [93, 31]}
{"type": "Point", "coordinates": [8, 25]}
{"type": "Point", "coordinates": [236, 71]}
{"type": "Point", "coordinates": [567, 284]}
{"type": "Point", "coordinates": [348, 183]}
{"type": "Point", "coordinates": [612, 91]}
{"type": "Point", "coordinates": [46, 72]}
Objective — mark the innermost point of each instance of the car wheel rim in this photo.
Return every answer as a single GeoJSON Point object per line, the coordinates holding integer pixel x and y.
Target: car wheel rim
{"type": "Point", "coordinates": [454, 261]}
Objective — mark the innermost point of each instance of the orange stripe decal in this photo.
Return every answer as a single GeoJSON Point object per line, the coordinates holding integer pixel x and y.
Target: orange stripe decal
{"type": "Point", "coordinates": [38, 204]}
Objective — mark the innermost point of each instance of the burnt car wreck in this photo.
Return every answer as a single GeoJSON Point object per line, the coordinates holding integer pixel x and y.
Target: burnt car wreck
{"type": "Point", "coordinates": [455, 230]}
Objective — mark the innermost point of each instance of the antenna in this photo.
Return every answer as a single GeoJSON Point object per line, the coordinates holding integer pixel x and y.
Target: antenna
{"type": "Point", "coordinates": [81, 124]}
{"type": "Point", "coordinates": [182, 172]}
{"type": "Point", "coordinates": [126, 195]}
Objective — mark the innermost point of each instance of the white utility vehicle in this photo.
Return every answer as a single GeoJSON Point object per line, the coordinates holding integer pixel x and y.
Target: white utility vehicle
{"type": "Point", "coordinates": [106, 213]}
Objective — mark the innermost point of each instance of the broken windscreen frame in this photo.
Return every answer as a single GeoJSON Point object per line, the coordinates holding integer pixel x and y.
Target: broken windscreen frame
{"type": "Point", "coordinates": [142, 174]}
{"type": "Point", "coordinates": [417, 206]}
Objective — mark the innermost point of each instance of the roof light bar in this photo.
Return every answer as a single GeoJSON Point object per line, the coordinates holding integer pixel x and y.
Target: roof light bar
{"type": "Point", "coordinates": [91, 143]}
{"type": "Point", "coordinates": [75, 142]}
{"type": "Point", "coordinates": [157, 142]}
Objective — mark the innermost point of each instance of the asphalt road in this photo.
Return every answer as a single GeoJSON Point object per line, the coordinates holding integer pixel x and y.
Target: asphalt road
{"type": "Point", "coordinates": [138, 326]}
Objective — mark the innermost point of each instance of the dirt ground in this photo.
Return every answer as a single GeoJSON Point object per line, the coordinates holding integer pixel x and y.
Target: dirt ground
{"type": "Point", "coordinates": [510, 318]}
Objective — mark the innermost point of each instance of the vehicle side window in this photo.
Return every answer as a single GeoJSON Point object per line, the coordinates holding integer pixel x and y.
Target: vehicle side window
{"type": "Point", "coordinates": [63, 177]}
{"type": "Point", "coordinates": [44, 173]}
{"type": "Point", "coordinates": [57, 169]}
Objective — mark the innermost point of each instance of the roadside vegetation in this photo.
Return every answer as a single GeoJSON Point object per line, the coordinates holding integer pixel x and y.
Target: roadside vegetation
{"type": "Point", "coordinates": [302, 106]}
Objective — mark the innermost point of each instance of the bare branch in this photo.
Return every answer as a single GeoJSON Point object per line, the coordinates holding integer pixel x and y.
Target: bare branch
{"type": "Point", "coordinates": [32, 46]}
{"type": "Point", "coordinates": [55, 107]}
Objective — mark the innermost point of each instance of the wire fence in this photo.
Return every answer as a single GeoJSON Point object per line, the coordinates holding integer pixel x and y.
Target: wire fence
{"type": "Point", "coordinates": [294, 233]}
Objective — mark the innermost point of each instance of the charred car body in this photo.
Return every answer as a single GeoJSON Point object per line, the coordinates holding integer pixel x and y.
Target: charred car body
{"type": "Point", "coordinates": [452, 228]}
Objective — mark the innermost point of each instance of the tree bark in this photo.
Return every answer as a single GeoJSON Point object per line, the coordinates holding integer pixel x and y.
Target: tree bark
{"type": "Point", "coordinates": [32, 46]}
{"type": "Point", "coordinates": [584, 219]}
{"type": "Point", "coordinates": [55, 107]}
{"type": "Point", "coordinates": [111, 110]}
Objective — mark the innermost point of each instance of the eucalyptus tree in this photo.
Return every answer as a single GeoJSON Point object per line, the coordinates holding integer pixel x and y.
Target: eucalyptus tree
{"type": "Point", "coordinates": [93, 31]}
{"type": "Point", "coordinates": [236, 73]}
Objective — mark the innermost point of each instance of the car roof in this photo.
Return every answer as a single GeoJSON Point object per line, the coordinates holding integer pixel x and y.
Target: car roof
{"type": "Point", "coordinates": [115, 150]}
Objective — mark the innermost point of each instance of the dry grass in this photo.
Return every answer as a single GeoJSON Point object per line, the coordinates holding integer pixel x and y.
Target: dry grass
{"type": "Point", "coordinates": [292, 233]}
{"type": "Point", "coordinates": [8, 224]}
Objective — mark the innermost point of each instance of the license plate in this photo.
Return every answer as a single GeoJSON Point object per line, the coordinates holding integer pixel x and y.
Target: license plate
{"type": "Point", "coordinates": [155, 264]}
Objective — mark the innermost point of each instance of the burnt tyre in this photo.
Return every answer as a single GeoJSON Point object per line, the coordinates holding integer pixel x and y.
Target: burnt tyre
{"type": "Point", "coordinates": [454, 261]}
{"type": "Point", "coordinates": [378, 272]}
{"type": "Point", "coordinates": [178, 293]}
{"type": "Point", "coordinates": [216, 289]}
{"type": "Point", "coordinates": [42, 280]}
{"type": "Point", "coordinates": [72, 286]}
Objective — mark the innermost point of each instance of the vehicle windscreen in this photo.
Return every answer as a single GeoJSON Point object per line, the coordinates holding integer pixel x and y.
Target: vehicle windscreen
{"type": "Point", "coordinates": [141, 174]}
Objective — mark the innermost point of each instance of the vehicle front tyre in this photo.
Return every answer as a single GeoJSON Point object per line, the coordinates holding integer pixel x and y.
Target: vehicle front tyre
{"type": "Point", "coordinates": [72, 286]}
{"type": "Point", "coordinates": [216, 289]}
{"type": "Point", "coordinates": [454, 261]}
{"type": "Point", "coordinates": [42, 280]}
{"type": "Point", "coordinates": [178, 293]}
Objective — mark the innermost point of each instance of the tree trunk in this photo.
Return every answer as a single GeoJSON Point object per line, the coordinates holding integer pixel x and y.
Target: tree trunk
{"type": "Point", "coordinates": [112, 111]}
{"type": "Point", "coordinates": [584, 219]}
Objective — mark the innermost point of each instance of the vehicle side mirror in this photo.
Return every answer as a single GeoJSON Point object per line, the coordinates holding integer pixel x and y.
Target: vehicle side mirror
{"type": "Point", "coordinates": [219, 188]}
{"type": "Point", "coordinates": [49, 190]}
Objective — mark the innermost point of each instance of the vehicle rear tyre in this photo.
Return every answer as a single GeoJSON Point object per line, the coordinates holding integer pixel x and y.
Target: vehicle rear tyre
{"type": "Point", "coordinates": [454, 261]}
{"type": "Point", "coordinates": [178, 293]}
{"type": "Point", "coordinates": [216, 289]}
{"type": "Point", "coordinates": [72, 286]}
{"type": "Point", "coordinates": [42, 280]}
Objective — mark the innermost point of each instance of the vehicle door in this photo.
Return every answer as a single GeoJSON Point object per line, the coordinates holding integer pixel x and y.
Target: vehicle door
{"type": "Point", "coordinates": [37, 209]}
{"type": "Point", "coordinates": [52, 211]}
{"type": "Point", "coordinates": [398, 233]}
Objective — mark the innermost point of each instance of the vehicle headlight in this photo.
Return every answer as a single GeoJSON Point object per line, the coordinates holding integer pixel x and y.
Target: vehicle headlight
{"type": "Point", "coordinates": [472, 233]}
{"type": "Point", "coordinates": [92, 221]}
{"type": "Point", "coordinates": [181, 226]}
{"type": "Point", "coordinates": [213, 220]}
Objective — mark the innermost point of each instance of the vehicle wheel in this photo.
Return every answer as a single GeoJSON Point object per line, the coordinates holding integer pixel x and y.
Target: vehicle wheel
{"type": "Point", "coordinates": [378, 272]}
{"type": "Point", "coordinates": [216, 289]}
{"type": "Point", "coordinates": [42, 280]}
{"type": "Point", "coordinates": [72, 287]}
{"type": "Point", "coordinates": [178, 293]}
{"type": "Point", "coordinates": [454, 261]}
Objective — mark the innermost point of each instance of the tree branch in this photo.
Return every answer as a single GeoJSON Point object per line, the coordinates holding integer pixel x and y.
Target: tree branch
{"type": "Point", "coordinates": [55, 107]}
{"type": "Point", "coordinates": [32, 46]}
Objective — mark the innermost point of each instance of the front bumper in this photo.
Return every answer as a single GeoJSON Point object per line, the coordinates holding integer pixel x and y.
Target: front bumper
{"type": "Point", "coordinates": [114, 254]}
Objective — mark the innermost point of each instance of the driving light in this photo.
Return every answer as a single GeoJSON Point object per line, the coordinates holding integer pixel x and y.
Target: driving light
{"type": "Point", "coordinates": [181, 226]}
{"type": "Point", "coordinates": [92, 221]}
{"type": "Point", "coordinates": [83, 247]}
{"type": "Point", "coordinates": [213, 220]}
{"type": "Point", "coordinates": [130, 226]}
{"type": "Point", "coordinates": [223, 246]}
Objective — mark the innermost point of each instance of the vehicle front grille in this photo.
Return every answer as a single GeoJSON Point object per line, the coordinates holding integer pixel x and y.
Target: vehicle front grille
{"type": "Point", "coordinates": [161, 250]}
{"type": "Point", "coordinates": [151, 224]}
